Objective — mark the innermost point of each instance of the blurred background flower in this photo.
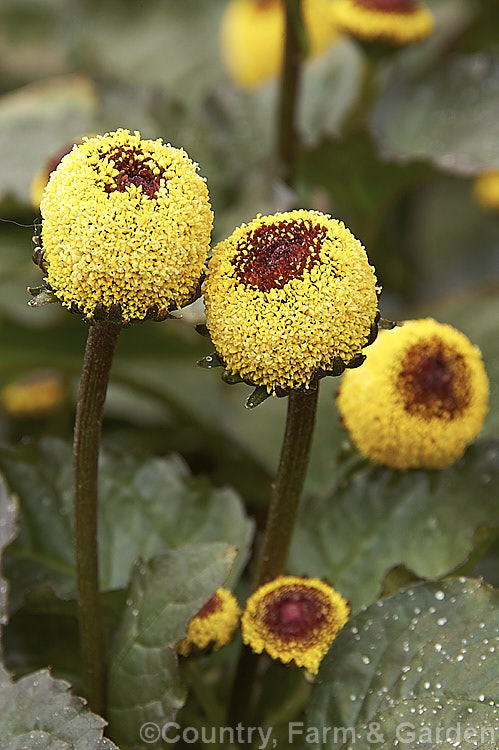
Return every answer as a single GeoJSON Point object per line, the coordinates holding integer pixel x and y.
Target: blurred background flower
{"type": "Point", "coordinates": [252, 37]}
{"type": "Point", "coordinates": [420, 399]}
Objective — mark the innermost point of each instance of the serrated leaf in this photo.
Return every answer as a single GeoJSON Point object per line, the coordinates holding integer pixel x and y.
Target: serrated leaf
{"type": "Point", "coordinates": [146, 507]}
{"type": "Point", "coordinates": [447, 118]}
{"type": "Point", "coordinates": [379, 519]}
{"type": "Point", "coordinates": [144, 684]}
{"type": "Point", "coordinates": [8, 513]}
{"type": "Point", "coordinates": [420, 659]}
{"type": "Point", "coordinates": [39, 712]}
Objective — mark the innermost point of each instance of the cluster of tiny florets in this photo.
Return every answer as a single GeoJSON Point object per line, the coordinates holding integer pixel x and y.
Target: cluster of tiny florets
{"type": "Point", "coordinates": [214, 625]}
{"type": "Point", "coordinates": [419, 399]}
{"type": "Point", "coordinates": [294, 619]}
{"type": "Point", "coordinates": [287, 294]}
{"type": "Point", "coordinates": [126, 224]}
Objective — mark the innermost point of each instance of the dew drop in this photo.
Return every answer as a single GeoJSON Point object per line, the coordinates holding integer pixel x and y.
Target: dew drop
{"type": "Point", "coordinates": [441, 621]}
{"type": "Point", "coordinates": [366, 660]}
{"type": "Point", "coordinates": [439, 595]}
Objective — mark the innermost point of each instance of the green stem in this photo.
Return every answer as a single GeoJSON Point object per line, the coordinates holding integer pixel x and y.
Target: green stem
{"type": "Point", "coordinates": [99, 351]}
{"type": "Point", "coordinates": [204, 694]}
{"type": "Point", "coordinates": [287, 139]}
{"type": "Point", "coordinates": [295, 453]}
{"type": "Point", "coordinates": [288, 487]}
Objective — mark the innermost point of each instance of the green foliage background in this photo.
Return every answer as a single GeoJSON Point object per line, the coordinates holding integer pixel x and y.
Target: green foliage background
{"type": "Point", "coordinates": [398, 170]}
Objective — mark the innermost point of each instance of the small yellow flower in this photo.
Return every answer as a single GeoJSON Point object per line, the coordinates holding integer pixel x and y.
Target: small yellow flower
{"type": "Point", "coordinates": [252, 37]}
{"type": "Point", "coordinates": [420, 398]}
{"type": "Point", "coordinates": [214, 624]}
{"type": "Point", "coordinates": [294, 619]}
{"type": "Point", "coordinates": [486, 189]}
{"type": "Point", "coordinates": [287, 297]}
{"type": "Point", "coordinates": [34, 398]}
{"type": "Point", "coordinates": [395, 21]}
{"type": "Point", "coordinates": [126, 227]}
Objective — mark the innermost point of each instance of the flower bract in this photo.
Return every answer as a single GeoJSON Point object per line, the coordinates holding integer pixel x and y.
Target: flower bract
{"type": "Point", "coordinates": [398, 22]}
{"type": "Point", "coordinates": [294, 619]}
{"type": "Point", "coordinates": [419, 399]}
{"type": "Point", "coordinates": [287, 297]}
{"type": "Point", "coordinates": [126, 227]}
{"type": "Point", "coordinates": [214, 624]}
{"type": "Point", "coordinates": [486, 189]}
{"type": "Point", "coordinates": [252, 37]}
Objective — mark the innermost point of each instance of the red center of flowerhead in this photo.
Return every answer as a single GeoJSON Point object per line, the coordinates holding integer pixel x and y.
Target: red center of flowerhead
{"type": "Point", "coordinates": [212, 605]}
{"type": "Point", "coordinates": [294, 614]}
{"type": "Point", "coordinates": [133, 169]}
{"type": "Point", "coordinates": [434, 376]}
{"type": "Point", "coordinates": [271, 255]}
{"type": "Point", "coordinates": [388, 6]}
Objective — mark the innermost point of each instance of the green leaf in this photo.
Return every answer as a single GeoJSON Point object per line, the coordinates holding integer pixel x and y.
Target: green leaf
{"type": "Point", "coordinates": [144, 684]}
{"type": "Point", "coordinates": [361, 184]}
{"type": "Point", "coordinates": [8, 512]}
{"type": "Point", "coordinates": [448, 118]}
{"type": "Point", "coordinates": [379, 519]}
{"type": "Point", "coordinates": [449, 222]}
{"type": "Point", "coordinates": [414, 662]}
{"type": "Point", "coordinates": [146, 507]}
{"type": "Point", "coordinates": [329, 90]}
{"type": "Point", "coordinates": [39, 712]}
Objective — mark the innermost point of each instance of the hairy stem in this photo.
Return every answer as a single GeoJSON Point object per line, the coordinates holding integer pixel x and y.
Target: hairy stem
{"type": "Point", "coordinates": [295, 453]}
{"type": "Point", "coordinates": [288, 95]}
{"type": "Point", "coordinates": [99, 351]}
{"type": "Point", "coordinates": [288, 487]}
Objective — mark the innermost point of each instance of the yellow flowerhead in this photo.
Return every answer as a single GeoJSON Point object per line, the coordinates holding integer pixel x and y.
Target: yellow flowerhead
{"type": "Point", "coordinates": [419, 399]}
{"type": "Point", "coordinates": [289, 298]}
{"type": "Point", "coordinates": [214, 624]}
{"type": "Point", "coordinates": [294, 619]}
{"type": "Point", "coordinates": [252, 37]}
{"type": "Point", "coordinates": [395, 21]}
{"type": "Point", "coordinates": [37, 397]}
{"type": "Point", "coordinates": [486, 189]}
{"type": "Point", "coordinates": [126, 227]}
